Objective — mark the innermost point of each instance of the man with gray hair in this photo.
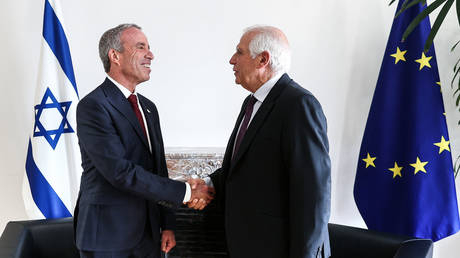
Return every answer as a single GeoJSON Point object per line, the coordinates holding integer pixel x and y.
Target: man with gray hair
{"type": "Point", "coordinates": [124, 205]}
{"type": "Point", "coordinates": [274, 183]}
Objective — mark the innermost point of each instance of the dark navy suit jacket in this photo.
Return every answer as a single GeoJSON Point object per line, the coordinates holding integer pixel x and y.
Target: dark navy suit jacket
{"type": "Point", "coordinates": [122, 182]}
{"type": "Point", "coordinates": [276, 191]}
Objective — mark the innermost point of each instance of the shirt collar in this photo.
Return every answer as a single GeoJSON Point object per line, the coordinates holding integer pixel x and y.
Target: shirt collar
{"type": "Point", "coordinates": [263, 91]}
{"type": "Point", "coordinates": [123, 90]}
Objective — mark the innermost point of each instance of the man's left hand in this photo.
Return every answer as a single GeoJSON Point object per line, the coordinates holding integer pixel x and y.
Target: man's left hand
{"type": "Point", "coordinates": [168, 241]}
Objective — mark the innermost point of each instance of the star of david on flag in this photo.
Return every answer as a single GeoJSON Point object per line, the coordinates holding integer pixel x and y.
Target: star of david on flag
{"type": "Point", "coordinates": [53, 158]}
{"type": "Point", "coordinates": [52, 136]}
{"type": "Point", "coordinates": [405, 179]}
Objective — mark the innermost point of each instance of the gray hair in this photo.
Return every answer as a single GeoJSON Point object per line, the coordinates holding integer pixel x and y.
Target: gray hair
{"type": "Point", "coordinates": [272, 40]}
{"type": "Point", "coordinates": [111, 39]}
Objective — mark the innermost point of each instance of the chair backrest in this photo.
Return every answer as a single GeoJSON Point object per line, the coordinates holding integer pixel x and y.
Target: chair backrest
{"type": "Point", "coordinates": [55, 239]}
{"type": "Point", "coordinates": [354, 242]}
{"type": "Point", "coordinates": [39, 239]}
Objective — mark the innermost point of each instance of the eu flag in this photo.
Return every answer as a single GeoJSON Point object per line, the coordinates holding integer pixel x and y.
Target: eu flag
{"type": "Point", "coordinates": [405, 180]}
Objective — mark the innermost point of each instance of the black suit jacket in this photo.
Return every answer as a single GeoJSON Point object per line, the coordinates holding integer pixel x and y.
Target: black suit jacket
{"type": "Point", "coordinates": [122, 181]}
{"type": "Point", "coordinates": [276, 191]}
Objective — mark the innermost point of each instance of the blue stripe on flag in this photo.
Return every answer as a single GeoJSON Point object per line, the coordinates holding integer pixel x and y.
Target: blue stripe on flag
{"type": "Point", "coordinates": [55, 36]}
{"type": "Point", "coordinates": [43, 194]}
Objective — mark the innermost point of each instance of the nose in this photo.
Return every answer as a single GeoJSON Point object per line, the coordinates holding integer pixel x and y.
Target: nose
{"type": "Point", "coordinates": [233, 60]}
{"type": "Point", "coordinates": [150, 55]}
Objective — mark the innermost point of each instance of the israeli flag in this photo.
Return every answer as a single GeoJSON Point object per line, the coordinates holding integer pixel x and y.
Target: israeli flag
{"type": "Point", "coordinates": [53, 158]}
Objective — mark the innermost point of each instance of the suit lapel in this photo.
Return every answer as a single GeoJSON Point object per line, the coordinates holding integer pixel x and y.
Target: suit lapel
{"type": "Point", "coordinates": [156, 140]}
{"type": "Point", "coordinates": [229, 150]}
{"type": "Point", "coordinates": [151, 123]}
{"type": "Point", "coordinates": [260, 116]}
{"type": "Point", "coordinates": [116, 98]}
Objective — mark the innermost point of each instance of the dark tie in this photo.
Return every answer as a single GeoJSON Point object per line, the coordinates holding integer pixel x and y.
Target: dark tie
{"type": "Point", "coordinates": [133, 101]}
{"type": "Point", "coordinates": [244, 125]}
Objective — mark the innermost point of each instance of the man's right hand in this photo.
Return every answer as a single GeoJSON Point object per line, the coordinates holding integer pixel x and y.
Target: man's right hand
{"type": "Point", "coordinates": [202, 194]}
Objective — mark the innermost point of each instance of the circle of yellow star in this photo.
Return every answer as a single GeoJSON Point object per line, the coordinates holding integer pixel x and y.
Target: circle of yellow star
{"type": "Point", "coordinates": [443, 145]}
{"type": "Point", "coordinates": [369, 160]}
{"type": "Point", "coordinates": [399, 55]}
{"type": "Point", "coordinates": [396, 170]}
{"type": "Point", "coordinates": [439, 84]}
{"type": "Point", "coordinates": [419, 166]}
{"type": "Point", "coordinates": [424, 61]}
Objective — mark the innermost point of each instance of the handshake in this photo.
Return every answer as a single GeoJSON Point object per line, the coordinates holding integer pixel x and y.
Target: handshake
{"type": "Point", "coordinates": [201, 195]}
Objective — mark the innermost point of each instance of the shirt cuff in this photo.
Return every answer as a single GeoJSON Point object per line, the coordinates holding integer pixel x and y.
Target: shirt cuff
{"type": "Point", "coordinates": [208, 181]}
{"type": "Point", "coordinates": [188, 192]}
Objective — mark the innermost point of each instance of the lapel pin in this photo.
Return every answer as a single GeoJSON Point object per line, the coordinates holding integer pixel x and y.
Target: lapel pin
{"type": "Point", "coordinates": [148, 110]}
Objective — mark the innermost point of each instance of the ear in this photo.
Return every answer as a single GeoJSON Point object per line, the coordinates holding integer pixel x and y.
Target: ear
{"type": "Point", "coordinates": [264, 59]}
{"type": "Point", "coordinates": [114, 57]}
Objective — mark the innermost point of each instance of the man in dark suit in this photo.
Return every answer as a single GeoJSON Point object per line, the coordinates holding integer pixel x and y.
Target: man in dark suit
{"type": "Point", "coordinates": [275, 177]}
{"type": "Point", "coordinates": [125, 196]}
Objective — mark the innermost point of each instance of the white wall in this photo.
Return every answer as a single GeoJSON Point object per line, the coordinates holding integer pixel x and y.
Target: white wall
{"type": "Point", "coordinates": [337, 51]}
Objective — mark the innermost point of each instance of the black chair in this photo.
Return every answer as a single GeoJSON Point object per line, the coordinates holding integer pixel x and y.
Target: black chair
{"type": "Point", "coordinates": [38, 239]}
{"type": "Point", "coordinates": [54, 239]}
{"type": "Point", "coordinates": [351, 242]}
